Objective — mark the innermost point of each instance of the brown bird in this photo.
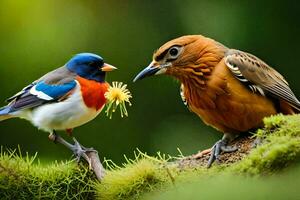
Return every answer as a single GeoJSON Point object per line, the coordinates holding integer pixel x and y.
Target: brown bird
{"type": "Point", "coordinates": [228, 89]}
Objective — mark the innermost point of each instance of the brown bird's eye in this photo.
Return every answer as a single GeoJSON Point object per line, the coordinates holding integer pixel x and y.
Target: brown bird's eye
{"type": "Point", "coordinates": [173, 51]}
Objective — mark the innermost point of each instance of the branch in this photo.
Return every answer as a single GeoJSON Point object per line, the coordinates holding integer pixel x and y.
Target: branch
{"type": "Point", "coordinates": [96, 164]}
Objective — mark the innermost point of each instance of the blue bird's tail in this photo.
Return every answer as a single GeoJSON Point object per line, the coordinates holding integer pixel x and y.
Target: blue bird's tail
{"type": "Point", "coordinates": [4, 113]}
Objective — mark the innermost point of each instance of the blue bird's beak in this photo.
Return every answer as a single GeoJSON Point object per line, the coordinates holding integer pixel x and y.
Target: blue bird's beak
{"type": "Point", "coordinates": [152, 69]}
{"type": "Point", "coordinates": [107, 68]}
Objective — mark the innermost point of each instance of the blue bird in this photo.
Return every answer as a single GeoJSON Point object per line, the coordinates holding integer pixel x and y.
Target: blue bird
{"type": "Point", "coordinates": [63, 99]}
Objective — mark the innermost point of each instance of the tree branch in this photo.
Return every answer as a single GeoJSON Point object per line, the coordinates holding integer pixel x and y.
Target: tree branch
{"type": "Point", "coordinates": [96, 164]}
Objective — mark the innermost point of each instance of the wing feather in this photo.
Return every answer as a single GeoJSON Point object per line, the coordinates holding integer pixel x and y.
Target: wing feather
{"type": "Point", "coordinates": [259, 77]}
{"type": "Point", "coordinates": [50, 88]}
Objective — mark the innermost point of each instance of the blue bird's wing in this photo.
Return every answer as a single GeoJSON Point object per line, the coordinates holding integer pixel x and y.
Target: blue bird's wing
{"type": "Point", "coordinates": [52, 87]}
{"type": "Point", "coordinates": [41, 93]}
{"type": "Point", "coordinates": [23, 91]}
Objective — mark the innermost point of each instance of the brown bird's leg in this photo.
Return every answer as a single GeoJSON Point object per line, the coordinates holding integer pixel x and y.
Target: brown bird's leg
{"type": "Point", "coordinates": [220, 146]}
{"type": "Point", "coordinates": [78, 150]}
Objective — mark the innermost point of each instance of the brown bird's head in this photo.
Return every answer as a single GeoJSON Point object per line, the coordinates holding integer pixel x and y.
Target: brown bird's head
{"type": "Point", "coordinates": [183, 57]}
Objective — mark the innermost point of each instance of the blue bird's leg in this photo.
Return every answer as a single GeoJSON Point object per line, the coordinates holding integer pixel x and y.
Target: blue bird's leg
{"type": "Point", "coordinates": [58, 139]}
{"type": "Point", "coordinates": [80, 151]}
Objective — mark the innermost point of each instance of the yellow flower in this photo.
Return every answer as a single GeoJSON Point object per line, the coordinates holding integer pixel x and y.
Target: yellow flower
{"type": "Point", "coordinates": [117, 95]}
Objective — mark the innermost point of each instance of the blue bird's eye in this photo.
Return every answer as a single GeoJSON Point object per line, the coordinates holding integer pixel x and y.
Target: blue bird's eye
{"type": "Point", "coordinates": [93, 64]}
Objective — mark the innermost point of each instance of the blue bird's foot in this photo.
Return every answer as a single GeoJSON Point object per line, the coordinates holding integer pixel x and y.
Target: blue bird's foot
{"type": "Point", "coordinates": [81, 151]}
{"type": "Point", "coordinates": [78, 150]}
{"type": "Point", "coordinates": [216, 150]}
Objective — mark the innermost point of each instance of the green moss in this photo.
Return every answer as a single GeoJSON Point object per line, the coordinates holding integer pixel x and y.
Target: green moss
{"type": "Point", "coordinates": [136, 177]}
{"type": "Point", "coordinates": [281, 146]}
{"type": "Point", "coordinates": [21, 179]}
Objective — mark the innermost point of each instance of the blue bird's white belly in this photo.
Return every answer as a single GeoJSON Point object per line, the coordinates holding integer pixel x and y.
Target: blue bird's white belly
{"type": "Point", "coordinates": [63, 115]}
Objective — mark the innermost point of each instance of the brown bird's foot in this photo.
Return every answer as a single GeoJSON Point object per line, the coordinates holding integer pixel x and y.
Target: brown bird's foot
{"type": "Point", "coordinates": [216, 150]}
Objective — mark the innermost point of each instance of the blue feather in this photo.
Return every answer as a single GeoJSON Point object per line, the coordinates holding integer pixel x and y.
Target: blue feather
{"type": "Point", "coordinates": [5, 110]}
{"type": "Point", "coordinates": [5, 113]}
{"type": "Point", "coordinates": [87, 65]}
{"type": "Point", "coordinates": [55, 91]}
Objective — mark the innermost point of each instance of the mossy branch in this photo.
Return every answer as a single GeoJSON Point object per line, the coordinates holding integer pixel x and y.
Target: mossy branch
{"type": "Point", "coordinates": [21, 178]}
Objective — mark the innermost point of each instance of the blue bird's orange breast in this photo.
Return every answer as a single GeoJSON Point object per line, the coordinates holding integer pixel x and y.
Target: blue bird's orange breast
{"type": "Point", "coordinates": [93, 92]}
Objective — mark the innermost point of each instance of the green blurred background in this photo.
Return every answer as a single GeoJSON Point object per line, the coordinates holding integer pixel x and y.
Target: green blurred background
{"type": "Point", "coordinates": [39, 36]}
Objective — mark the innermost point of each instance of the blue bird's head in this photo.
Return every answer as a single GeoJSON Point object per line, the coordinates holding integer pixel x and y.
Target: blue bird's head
{"type": "Point", "coordinates": [89, 66]}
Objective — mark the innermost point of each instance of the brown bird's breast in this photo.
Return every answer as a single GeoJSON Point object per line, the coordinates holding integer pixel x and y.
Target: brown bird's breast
{"type": "Point", "coordinates": [226, 104]}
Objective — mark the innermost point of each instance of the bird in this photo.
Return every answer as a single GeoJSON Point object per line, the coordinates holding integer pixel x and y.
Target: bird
{"type": "Point", "coordinates": [63, 99]}
{"type": "Point", "coordinates": [229, 89]}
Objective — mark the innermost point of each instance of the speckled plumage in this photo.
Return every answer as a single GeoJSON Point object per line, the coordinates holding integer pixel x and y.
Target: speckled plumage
{"type": "Point", "coordinates": [228, 89]}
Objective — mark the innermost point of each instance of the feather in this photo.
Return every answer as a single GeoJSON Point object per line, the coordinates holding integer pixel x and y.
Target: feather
{"type": "Point", "coordinates": [56, 77]}
{"type": "Point", "coordinates": [49, 88]}
{"type": "Point", "coordinates": [182, 95]}
{"type": "Point", "coordinates": [4, 113]}
{"type": "Point", "coordinates": [93, 92]}
{"type": "Point", "coordinates": [259, 77]}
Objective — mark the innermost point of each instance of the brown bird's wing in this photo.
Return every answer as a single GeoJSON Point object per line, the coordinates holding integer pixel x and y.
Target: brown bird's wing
{"type": "Point", "coordinates": [259, 77]}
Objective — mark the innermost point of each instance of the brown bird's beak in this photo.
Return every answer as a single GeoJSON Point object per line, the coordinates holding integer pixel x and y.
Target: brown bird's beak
{"type": "Point", "coordinates": [153, 69]}
{"type": "Point", "coordinates": [107, 67]}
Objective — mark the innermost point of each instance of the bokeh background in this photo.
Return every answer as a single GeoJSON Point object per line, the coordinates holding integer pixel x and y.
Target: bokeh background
{"type": "Point", "coordinates": [39, 36]}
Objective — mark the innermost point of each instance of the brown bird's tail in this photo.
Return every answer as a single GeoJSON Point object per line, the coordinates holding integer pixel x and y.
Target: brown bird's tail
{"type": "Point", "coordinates": [296, 110]}
{"type": "Point", "coordinates": [296, 107]}
{"type": "Point", "coordinates": [288, 108]}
